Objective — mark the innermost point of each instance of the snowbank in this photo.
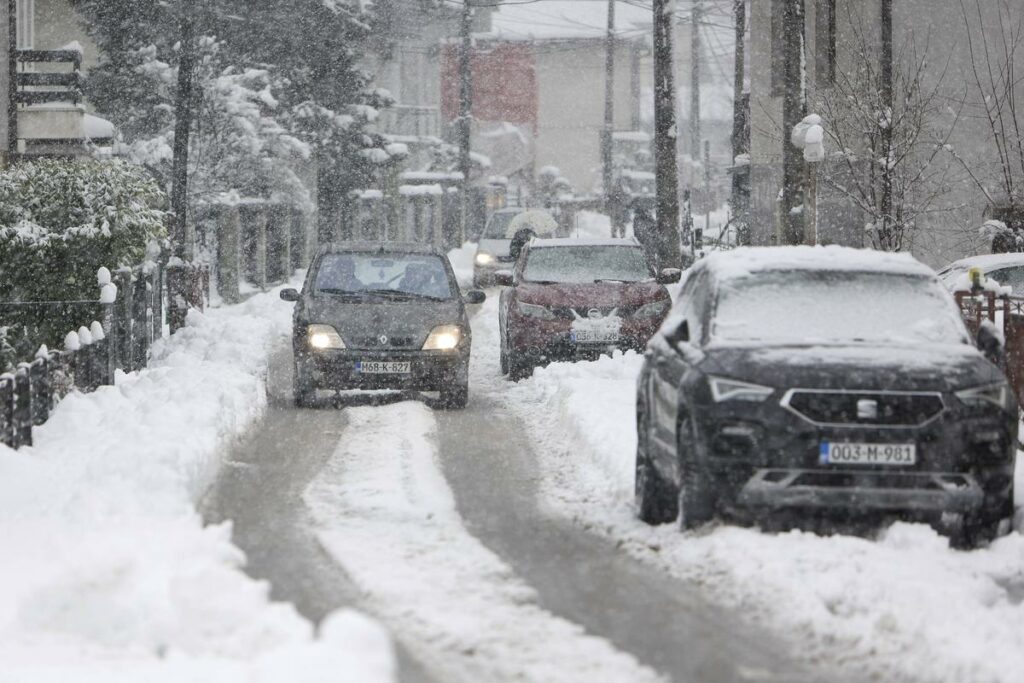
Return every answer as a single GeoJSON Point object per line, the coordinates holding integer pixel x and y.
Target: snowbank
{"type": "Point", "coordinates": [904, 606]}
{"type": "Point", "coordinates": [108, 571]}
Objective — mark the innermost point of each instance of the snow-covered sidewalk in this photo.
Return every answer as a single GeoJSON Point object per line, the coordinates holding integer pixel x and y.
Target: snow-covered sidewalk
{"type": "Point", "coordinates": [387, 515]}
{"type": "Point", "coordinates": [902, 607]}
{"type": "Point", "coordinates": [108, 571]}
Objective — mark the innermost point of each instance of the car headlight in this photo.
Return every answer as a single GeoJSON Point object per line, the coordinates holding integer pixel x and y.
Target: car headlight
{"type": "Point", "coordinates": [483, 258]}
{"type": "Point", "coordinates": [723, 389]}
{"type": "Point", "coordinates": [654, 309]}
{"type": "Point", "coordinates": [998, 395]}
{"type": "Point", "coordinates": [324, 337]}
{"type": "Point", "coordinates": [535, 311]}
{"type": "Point", "coordinates": [443, 338]}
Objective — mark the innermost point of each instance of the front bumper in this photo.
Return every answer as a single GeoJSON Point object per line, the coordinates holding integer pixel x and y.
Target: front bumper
{"type": "Point", "coordinates": [770, 489]}
{"type": "Point", "coordinates": [545, 341]}
{"type": "Point", "coordinates": [428, 370]}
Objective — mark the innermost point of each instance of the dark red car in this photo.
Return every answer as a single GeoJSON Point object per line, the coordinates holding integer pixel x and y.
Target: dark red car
{"type": "Point", "coordinates": [571, 298]}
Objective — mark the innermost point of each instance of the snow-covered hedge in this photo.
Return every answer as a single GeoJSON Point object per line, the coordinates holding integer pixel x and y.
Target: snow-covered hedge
{"type": "Point", "coordinates": [61, 220]}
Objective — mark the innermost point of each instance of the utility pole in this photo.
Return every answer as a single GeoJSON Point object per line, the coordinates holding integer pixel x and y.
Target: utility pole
{"type": "Point", "coordinates": [792, 113]}
{"type": "Point", "coordinates": [886, 93]}
{"type": "Point", "coordinates": [465, 129]}
{"type": "Point", "coordinates": [182, 129]}
{"type": "Point", "coordinates": [12, 80]}
{"type": "Point", "coordinates": [740, 199]}
{"type": "Point", "coordinates": [609, 119]}
{"type": "Point", "coordinates": [665, 134]}
{"type": "Point", "coordinates": [695, 56]}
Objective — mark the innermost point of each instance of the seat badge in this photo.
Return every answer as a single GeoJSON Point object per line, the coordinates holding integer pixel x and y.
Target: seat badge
{"type": "Point", "coordinates": [867, 409]}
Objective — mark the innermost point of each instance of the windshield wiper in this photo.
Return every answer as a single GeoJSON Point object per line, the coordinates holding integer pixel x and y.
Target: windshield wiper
{"type": "Point", "coordinates": [543, 282]}
{"type": "Point", "coordinates": [344, 293]}
{"type": "Point", "coordinates": [613, 279]}
{"type": "Point", "coordinates": [399, 293]}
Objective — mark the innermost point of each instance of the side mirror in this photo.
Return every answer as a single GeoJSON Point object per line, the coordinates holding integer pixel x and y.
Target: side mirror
{"type": "Point", "coordinates": [669, 276]}
{"type": "Point", "coordinates": [681, 333]}
{"type": "Point", "coordinates": [474, 296]}
{"type": "Point", "coordinates": [290, 294]}
{"type": "Point", "coordinates": [505, 278]}
{"type": "Point", "coordinates": [990, 343]}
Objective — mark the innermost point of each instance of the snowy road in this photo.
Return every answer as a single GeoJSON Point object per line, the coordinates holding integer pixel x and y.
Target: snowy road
{"type": "Point", "coordinates": [432, 522]}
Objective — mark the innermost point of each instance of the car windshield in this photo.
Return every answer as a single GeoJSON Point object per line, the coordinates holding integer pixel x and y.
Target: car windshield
{"type": "Point", "coordinates": [414, 275]}
{"type": "Point", "coordinates": [809, 307]}
{"type": "Point", "coordinates": [586, 263]}
{"type": "Point", "coordinates": [497, 226]}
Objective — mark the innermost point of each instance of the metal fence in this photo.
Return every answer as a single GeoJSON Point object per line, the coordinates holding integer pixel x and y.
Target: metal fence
{"type": "Point", "coordinates": [131, 317]}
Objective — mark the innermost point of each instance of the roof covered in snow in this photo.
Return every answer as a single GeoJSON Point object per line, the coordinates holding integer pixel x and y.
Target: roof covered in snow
{"type": "Point", "coordinates": [560, 19]}
{"type": "Point", "coordinates": [746, 260]}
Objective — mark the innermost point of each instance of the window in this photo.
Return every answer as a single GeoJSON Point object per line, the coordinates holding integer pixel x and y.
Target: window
{"type": "Point", "coordinates": [778, 47]}
{"type": "Point", "coordinates": [26, 24]}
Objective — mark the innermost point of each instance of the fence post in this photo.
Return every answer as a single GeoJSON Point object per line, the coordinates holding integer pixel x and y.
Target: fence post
{"type": "Point", "coordinates": [42, 393]}
{"type": "Point", "coordinates": [123, 321]}
{"type": "Point", "coordinates": [260, 226]}
{"type": "Point", "coordinates": [140, 332]}
{"type": "Point", "coordinates": [22, 407]}
{"type": "Point", "coordinates": [7, 410]}
{"type": "Point", "coordinates": [229, 227]}
{"type": "Point", "coordinates": [71, 346]}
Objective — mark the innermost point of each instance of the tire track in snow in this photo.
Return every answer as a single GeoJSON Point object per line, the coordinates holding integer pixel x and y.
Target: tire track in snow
{"type": "Point", "coordinates": [386, 513]}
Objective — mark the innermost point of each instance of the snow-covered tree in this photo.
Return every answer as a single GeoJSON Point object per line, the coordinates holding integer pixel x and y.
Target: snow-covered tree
{"type": "Point", "coordinates": [896, 165]}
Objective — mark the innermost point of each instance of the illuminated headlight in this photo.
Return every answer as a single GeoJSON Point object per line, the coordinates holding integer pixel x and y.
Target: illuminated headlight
{"type": "Point", "coordinates": [723, 389]}
{"type": "Point", "coordinates": [443, 338]}
{"type": "Point", "coordinates": [653, 310]}
{"type": "Point", "coordinates": [998, 395]}
{"type": "Point", "coordinates": [535, 311]}
{"type": "Point", "coordinates": [483, 258]}
{"type": "Point", "coordinates": [324, 337]}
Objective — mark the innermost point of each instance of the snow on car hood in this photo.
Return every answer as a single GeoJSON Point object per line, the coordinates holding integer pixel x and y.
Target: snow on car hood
{"type": "Point", "coordinates": [941, 367]}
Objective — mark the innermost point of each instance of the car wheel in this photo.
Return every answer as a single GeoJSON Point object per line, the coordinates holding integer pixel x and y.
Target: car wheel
{"type": "Point", "coordinates": [981, 528]}
{"type": "Point", "coordinates": [656, 499]}
{"type": "Point", "coordinates": [456, 397]}
{"type": "Point", "coordinates": [303, 388]}
{"type": "Point", "coordinates": [519, 367]}
{"type": "Point", "coordinates": [696, 500]}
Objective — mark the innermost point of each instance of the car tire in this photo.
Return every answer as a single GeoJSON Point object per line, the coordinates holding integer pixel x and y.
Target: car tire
{"type": "Point", "coordinates": [696, 501]}
{"type": "Point", "coordinates": [303, 388]}
{"type": "Point", "coordinates": [981, 528]}
{"type": "Point", "coordinates": [455, 398]}
{"type": "Point", "coordinates": [656, 499]}
{"type": "Point", "coordinates": [519, 367]}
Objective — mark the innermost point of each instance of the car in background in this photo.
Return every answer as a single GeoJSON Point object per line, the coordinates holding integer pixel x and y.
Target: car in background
{"type": "Point", "coordinates": [377, 315]}
{"type": "Point", "coordinates": [494, 249]}
{"type": "Point", "coordinates": [1006, 269]}
{"type": "Point", "coordinates": [809, 383]}
{"type": "Point", "coordinates": [572, 298]}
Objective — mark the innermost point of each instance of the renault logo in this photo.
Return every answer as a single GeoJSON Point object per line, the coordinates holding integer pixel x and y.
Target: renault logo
{"type": "Point", "coordinates": [383, 339]}
{"type": "Point", "coordinates": [594, 314]}
{"type": "Point", "coordinates": [867, 409]}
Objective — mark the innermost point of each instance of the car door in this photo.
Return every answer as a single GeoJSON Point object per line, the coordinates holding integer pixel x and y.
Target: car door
{"type": "Point", "coordinates": [671, 360]}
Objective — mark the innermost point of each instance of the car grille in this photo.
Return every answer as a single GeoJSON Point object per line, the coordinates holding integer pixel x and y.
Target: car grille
{"type": "Point", "coordinates": [374, 342]}
{"type": "Point", "coordinates": [880, 409]}
{"type": "Point", "coordinates": [571, 313]}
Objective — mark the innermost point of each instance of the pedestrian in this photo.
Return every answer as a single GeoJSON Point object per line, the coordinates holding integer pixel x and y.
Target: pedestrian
{"type": "Point", "coordinates": [645, 232]}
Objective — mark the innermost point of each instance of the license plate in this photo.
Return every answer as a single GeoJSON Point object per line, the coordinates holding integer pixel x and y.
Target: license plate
{"type": "Point", "coordinates": [594, 336]}
{"type": "Point", "coordinates": [844, 453]}
{"type": "Point", "coordinates": [383, 367]}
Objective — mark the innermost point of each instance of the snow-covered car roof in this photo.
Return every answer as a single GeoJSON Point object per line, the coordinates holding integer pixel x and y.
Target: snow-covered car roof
{"type": "Point", "coordinates": [745, 260]}
{"type": "Point", "coordinates": [985, 262]}
{"type": "Point", "coordinates": [584, 242]}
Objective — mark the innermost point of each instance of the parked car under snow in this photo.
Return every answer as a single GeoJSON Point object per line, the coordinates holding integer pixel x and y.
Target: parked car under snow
{"type": "Point", "coordinates": [823, 383]}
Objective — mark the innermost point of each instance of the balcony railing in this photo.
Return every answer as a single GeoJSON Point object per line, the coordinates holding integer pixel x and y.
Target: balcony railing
{"type": "Point", "coordinates": [39, 87]}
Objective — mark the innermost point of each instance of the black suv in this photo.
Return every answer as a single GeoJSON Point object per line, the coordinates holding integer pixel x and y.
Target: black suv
{"type": "Point", "coordinates": [800, 383]}
{"type": "Point", "coordinates": [381, 316]}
